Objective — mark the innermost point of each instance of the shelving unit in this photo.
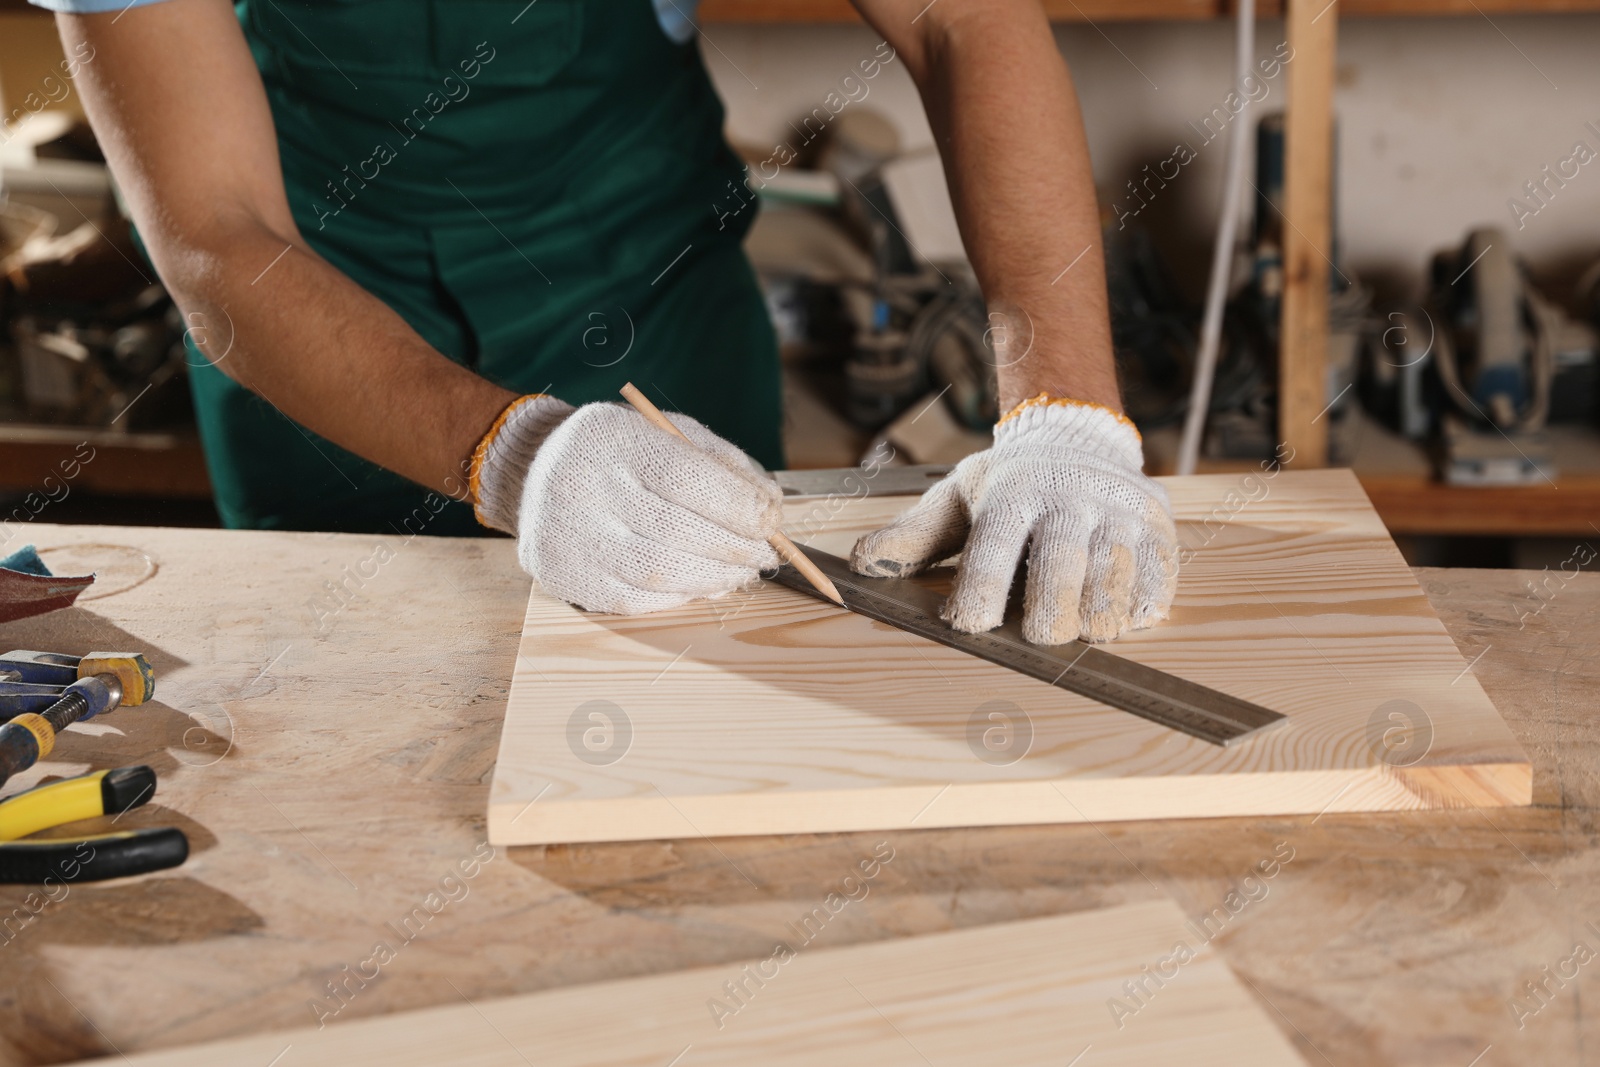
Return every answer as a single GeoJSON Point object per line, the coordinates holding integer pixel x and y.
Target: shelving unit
{"type": "Point", "coordinates": [1308, 147]}
{"type": "Point", "coordinates": [1396, 473]}
{"type": "Point", "coordinates": [1421, 506]}
{"type": "Point", "coordinates": [1398, 476]}
{"type": "Point", "coordinates": [164, 465]}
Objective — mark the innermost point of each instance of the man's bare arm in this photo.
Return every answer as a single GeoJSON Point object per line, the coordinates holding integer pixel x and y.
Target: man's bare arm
{"type": "Point", "coordinates": [1006, 118]}
{"type": "Point", "coordinates": [1062, 484]}
{"type": "Point", "coordinates": [180, 111]}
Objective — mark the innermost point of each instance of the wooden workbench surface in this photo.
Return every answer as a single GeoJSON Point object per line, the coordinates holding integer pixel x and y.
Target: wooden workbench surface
{"type": "Point", "coordinates": [329, 756]}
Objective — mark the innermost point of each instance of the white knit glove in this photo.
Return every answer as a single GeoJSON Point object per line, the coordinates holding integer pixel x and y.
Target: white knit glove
{"type": "Point", "coordinates": [1066, 476]}
{"type": "Point", "coordinates": [613, 514]}
{"type": "Point", "coordinates": [500, 462]}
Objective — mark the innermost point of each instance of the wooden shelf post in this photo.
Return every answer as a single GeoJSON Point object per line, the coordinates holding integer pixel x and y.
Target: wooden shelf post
{"type": "Point", "coordinates": [1307, 230]}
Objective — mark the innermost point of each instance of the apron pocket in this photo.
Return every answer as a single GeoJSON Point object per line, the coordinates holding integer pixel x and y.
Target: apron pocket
{"type": "Point", "coordinates": [506, 42]}
{"type": "Point", "coordinates": [378, 38]}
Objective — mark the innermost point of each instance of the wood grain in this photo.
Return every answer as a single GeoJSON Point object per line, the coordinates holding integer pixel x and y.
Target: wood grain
{"type": "Point", "coordinates": [770, 712]}
{"type": "Point", "coordinates": [329, 775]}
{"type": "Point", "coordinates": [1026, 994]}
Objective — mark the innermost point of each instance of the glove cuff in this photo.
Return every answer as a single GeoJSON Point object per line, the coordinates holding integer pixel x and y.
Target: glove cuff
{"type": "Point", "coordinates": [1045, 400]}
{"type": "Point", "coordinates": [500, 462]}
{"type": "Point", "coordinates": [1079, 424]}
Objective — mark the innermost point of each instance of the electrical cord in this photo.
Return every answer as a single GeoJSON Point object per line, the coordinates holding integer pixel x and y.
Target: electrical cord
{"type": "Point", "coordinates": [1222, 252]}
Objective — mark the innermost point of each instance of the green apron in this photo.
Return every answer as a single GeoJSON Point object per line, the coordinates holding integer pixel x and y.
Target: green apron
{"type": "Point", "coordinates": [542, 190]}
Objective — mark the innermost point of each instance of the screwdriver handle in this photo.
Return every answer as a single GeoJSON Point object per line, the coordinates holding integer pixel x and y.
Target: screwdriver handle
{"type": "Point", "coordinates": [23, 742]}
{"type": "Point", "coordinates": [27, 739]}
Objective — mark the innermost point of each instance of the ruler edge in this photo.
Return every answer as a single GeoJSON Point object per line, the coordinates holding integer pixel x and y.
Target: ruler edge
{"type": "Point", "coordinates": [1231, 734]}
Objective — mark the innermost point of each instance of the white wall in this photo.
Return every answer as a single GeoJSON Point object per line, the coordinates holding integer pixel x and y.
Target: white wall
{"type": "Point", "coordinates": [1441, 121]}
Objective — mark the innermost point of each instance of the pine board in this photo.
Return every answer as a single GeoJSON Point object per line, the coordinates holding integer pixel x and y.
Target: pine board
{"type": "Point", "coordinates": [771, 712]}
{"type": "Point", "coordinates": [1038, 992]}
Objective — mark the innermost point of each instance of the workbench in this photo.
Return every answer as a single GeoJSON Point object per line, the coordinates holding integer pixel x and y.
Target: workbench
{"type": "Point", "coordinates": [325, 724]}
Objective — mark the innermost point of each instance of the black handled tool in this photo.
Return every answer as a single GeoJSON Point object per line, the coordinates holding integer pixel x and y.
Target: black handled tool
{"type": "Point", "coordinates": [93, 858]}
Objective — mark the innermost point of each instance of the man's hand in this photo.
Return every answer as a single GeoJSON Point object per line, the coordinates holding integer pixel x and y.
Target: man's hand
{"type": "Point", "coordinates": [1065, 476]}
{"type": "Point", "coordinates": [1063, 480]}
{"type": "Point", "coordinates": [611, 514]}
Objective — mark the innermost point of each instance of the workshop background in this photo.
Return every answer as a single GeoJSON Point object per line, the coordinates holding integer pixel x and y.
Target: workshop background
{"type": "Point", "coordinates": [1461, 384]}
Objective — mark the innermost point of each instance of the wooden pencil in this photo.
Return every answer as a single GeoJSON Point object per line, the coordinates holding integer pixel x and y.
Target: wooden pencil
{"type": "Point", "coordinates": [786, 549]}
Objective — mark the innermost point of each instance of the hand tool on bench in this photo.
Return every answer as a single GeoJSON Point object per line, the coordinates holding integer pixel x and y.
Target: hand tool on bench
{"type": "Point", "coordinates": [787, 550]}
{"type": "Point", "coordinates": [32, 681]}
{"type": "Point", "coordinates": [28, 588]}
{"type": "Point", "coordinates": [1076, 666]}
{"type": "Point", "coordinates": [18, 697]}
{"type": "Point", "coordinates": [90, 858]}
{"type": "Point", "coordinates": [104, 680]}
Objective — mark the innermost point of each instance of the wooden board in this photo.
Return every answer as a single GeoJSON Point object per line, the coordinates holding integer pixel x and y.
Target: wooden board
{"type": "Point", "coordinates": [771, 712]}
{"type": "Point", "coordinates": [363, 749]}
{"type": "Point", "coordinates": [1039, 992]}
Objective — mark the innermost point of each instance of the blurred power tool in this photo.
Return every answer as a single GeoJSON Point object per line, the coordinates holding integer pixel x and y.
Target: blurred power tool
{"type": "Point", "coordinates": [85, 686]}
{"type": "Point", "coordinates": [1243, 422]}
{"type": "Point", "coordinates": [1152, 330]}
{"type": "Point", "coordinates": [1508, 362]}
{"type": "Point", "coordinates": [91, 858]}
{"type": "Point", "coordinates": [1398, 383]}
{"type": "Point", "coordinates": [84, 332]}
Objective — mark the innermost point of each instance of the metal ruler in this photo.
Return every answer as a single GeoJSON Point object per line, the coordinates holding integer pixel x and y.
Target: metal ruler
{"type": "Point", "coordinates": [911, 480]}
{"type": "Point", "coordinates": [1076, 666]}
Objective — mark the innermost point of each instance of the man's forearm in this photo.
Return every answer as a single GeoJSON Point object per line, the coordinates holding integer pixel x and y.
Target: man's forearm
{"type": "Point", "coordinates": [1003, 108]}
{"type": "Point", "coordinates": [179, 109]}
{"type": "Point", "coordinates": [287, 325]}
